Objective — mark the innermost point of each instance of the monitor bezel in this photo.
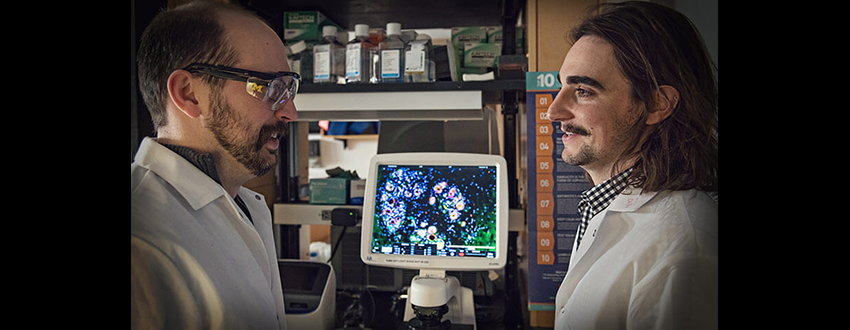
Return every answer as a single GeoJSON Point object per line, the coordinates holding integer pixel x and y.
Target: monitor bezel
{"type": "Point", "coordinates": [432, 262]}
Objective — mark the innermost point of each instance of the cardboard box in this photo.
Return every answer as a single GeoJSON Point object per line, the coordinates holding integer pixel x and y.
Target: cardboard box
{"type": "Point", "coordinates": [481, 55]}
{"type": "Point", "coordinates": [329, 191]}
{"type": "Point", "coordinates": [461, 35]}
{"type": "Point", "coordinates": [494, 34]}
{"type": "Point", "coordinates": [304, 25]}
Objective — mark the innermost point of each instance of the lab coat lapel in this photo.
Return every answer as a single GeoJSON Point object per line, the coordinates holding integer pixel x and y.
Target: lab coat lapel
{"type": "Point", "coordinates": [249, 234]}
{"type": "Point", "coordinates": [256, 204]}
{"type": "Point", "coordinates": [630, 200]}
{"type": "Point", "coordinates": [587, 239]}
{"type": "Point", "coordinates": [582, 257]}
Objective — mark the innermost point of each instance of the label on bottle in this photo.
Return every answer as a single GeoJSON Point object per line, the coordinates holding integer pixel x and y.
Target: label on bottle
{"type": "Point", "coordinates": [390, 65]}
{"type": "Point", "coordinates": [414, 61]}
{"type": "Point", "coordinates": [321, 63]}
{"type": "Point", "coordinates": [352, 60]}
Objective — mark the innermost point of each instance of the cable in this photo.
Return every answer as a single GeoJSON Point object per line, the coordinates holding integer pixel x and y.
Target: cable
{"type": "Point", "coordinates": [483, 282]}
{"type": "Point", "coordinates": [338, 240]}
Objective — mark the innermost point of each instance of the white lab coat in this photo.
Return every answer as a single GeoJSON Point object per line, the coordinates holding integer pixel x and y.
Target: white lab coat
{"type": "Point", "coordinates": [195, 260]}
{"type": "Point", "coordinates": [649, 261]}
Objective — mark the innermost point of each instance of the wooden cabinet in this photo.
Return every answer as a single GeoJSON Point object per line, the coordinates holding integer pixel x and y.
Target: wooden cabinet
{"type": "Point", "coordinates": [549, 22]}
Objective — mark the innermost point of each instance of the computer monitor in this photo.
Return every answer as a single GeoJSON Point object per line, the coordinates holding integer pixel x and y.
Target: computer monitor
{"type": "Point", "coordinates": [442, 211]}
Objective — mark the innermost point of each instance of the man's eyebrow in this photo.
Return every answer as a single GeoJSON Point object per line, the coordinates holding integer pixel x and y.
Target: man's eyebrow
{"type": "Point", "coordinates": [574, 80]}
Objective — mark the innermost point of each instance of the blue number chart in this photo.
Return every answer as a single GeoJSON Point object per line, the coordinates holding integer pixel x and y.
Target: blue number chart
{"type": "Point", "coordinates": [554, 190]}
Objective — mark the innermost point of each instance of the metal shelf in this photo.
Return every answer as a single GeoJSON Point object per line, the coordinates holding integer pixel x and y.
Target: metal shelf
{"type": "Point", "coordinates": [442, 100]}
{"type": "Point", "coordinates": [494, 85]}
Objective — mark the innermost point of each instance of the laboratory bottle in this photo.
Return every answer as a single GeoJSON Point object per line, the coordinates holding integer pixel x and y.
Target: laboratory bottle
{"type": "Point", "coordinates": [419, 60]}
{"type": "Point", "coordinates": [391, 54]}
{"type": "Point", "coordinates": [329, 58]}
{"type": "Point", "coordinates": [358, 56]}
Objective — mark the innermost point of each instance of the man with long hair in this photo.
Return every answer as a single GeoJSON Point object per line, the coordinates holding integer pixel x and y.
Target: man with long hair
{"type": "Point", "coordinates": [638, 109]}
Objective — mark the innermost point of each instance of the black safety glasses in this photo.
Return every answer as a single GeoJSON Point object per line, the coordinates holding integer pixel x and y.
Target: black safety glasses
{"type": "Point", "coordinates": [274, 89]}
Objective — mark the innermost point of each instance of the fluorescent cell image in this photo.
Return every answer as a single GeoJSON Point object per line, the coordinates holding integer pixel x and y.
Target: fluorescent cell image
{"type": "Point", "coordinates": [436, 210]}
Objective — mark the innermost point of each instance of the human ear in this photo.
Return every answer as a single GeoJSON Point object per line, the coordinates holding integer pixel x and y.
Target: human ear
{"type": "Point", "coordinates": [182, 91]}
{"type": "Point", "coordinates": [665, 100]}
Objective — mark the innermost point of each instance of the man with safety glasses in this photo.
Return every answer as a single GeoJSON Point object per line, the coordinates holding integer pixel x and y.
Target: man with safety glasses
{"type": "Point", "coordinates": [216, 82]}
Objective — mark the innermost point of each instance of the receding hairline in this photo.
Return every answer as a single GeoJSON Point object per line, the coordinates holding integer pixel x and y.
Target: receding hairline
{"type": "Point", "coordinates": [231, 17]}
{"type": "Point", "coordinates": [223, 10]}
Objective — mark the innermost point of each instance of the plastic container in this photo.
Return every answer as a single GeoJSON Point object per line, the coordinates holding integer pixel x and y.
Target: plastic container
{"type": "Point", "coordinates": [329, 58]}
{"type": "Point", "coordinates": [358, 56]}
{"type": "Point", "coordinates": [419, 60]}
{"type": "Point", "coordinates": [391, 55]}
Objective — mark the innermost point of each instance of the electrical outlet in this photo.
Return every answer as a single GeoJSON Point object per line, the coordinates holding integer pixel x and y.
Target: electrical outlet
{"type": "Point", "coordinates": [326, 214]}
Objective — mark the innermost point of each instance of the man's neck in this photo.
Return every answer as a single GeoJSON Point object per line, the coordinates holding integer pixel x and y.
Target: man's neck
{"type": "Point", "coordinates": [231, 179]}
{"type": "Point", "coordinates": [211, 165]}
{"type": "Point", "coordinates": [599, 174]}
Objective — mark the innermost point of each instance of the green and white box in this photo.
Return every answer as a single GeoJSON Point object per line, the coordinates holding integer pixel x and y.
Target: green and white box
{"type": "Point", "coordinates": [494, 34]}
{"type": "Point", "coordinates": [464, 34]}
{"type": "Point", "coordinates": [304, 25]}
{"type": "Point", "coordinates": [329, 191]}
{"type": "Point", "coordinates": [481, 55]}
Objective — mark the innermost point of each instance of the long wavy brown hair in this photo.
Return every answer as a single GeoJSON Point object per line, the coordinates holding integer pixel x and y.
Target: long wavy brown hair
{"type": "Point", "coordinates": [654, 46]}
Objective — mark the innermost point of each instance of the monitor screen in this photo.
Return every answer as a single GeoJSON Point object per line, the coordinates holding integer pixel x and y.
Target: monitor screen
{"type": "Point", "coordinates": [423, 211]}
{"type": "Point", "coordinates": [435, 210]}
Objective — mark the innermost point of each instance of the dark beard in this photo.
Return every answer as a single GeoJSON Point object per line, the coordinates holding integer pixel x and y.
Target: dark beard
{"type": "Point", "coordinates": [225, 124]}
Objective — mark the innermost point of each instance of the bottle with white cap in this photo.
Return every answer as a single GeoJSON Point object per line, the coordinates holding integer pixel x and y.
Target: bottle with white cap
{"type": "Point", "coordinates": [391, 52]}
{"type": "Point", "coordinates": [358, 56]}
{"type": "Point", "coordinates": [329, 58]}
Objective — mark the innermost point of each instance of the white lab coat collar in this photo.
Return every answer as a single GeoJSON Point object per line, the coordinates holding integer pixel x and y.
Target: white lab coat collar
{"type": "Point", "coordinates": [193, 184]}
{"type": "Point", "coordinates": [630, 199]}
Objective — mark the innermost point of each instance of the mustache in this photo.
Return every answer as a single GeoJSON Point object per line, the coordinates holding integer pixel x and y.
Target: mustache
{"type": "Point", "coordinates": [282, 130]}
{"type": "Point", "coordinates": [574, 129]}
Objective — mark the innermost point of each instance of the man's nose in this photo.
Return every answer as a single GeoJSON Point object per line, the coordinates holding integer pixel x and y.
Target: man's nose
{"type": "Point", "coordinates": [288, 113]}
{"type": "Point", "coordinates": [559, 110]}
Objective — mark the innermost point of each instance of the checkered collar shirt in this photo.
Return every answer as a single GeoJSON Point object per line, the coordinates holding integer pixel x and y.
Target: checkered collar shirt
{"type": "Point", "coordinates": [596, 199]}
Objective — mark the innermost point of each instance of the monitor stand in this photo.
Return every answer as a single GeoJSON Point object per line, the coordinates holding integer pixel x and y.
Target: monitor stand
{"type": "Point", "coordinates": [435, 301]}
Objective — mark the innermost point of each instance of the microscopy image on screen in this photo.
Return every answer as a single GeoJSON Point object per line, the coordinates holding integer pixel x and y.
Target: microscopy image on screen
{"type": "Point", "coordinates": [435, 210]}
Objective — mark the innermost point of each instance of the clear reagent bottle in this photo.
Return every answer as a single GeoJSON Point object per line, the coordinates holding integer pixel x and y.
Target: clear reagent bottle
{"type": "Point", "coordinates": [329, 58]}
{"type": "Point", "coordinates": [358, 56]}
{"type": "Point", "coordinates": [419, 60]}
{"type": "Point", "coordinates": [391, 52]}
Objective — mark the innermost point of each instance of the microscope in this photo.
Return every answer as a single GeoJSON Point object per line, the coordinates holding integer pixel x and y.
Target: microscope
{"type": "Point", "coordinates": [436, 212]}
{"type": "Point", "coordinates": [431, 296]}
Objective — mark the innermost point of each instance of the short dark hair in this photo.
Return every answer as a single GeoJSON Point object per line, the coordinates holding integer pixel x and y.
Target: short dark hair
{"type": "Point", "coordinates": [655, 45]}
{"type": "Point", "coordinates": [176, 38]}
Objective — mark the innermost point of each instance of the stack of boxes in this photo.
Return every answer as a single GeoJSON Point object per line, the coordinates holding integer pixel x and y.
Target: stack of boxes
{"type": "Point", "coordinates": [477, 48]}
{"type": "Point", "coordinates": [337, 191]}
{"type": "Point", "coordinates": [474, 49]}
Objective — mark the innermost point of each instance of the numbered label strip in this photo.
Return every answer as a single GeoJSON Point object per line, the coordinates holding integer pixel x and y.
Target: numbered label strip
{"type": "Point", "coordinates": [553, 193]}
